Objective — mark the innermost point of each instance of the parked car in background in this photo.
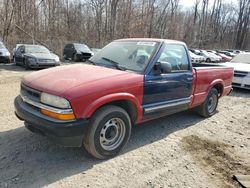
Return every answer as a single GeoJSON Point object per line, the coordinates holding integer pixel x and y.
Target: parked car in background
{"type": "Point", "coordinates": [35, 56]}
{"type": "Point", "coordinates": [235, 51]}
{"type": "Point", "coordinates": [230, 54]}
{"type": "Point", "coordinates": [241, 65]}
{"type": "Point", "coordinates": [77, 52]}
{"type": "Point", "coordinates": [208, 56]}
{"type": "Point", "coordinates": [196, 58]}
{"type": "Point", "coordinates": [216, 57]}
{"type": "Point", "coordinates": [4, 54]}
{"type": "Point", "coordinates": [224, 57]}
{"type": "Point", "coordinates": [128, 82]}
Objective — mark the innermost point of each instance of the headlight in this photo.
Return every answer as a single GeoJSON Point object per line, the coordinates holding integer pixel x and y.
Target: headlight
{"type": "Point", "coordinates": [57, 59]}
{"type": "Point", "coordinates": [55, 101]}
{"type": "Point", "coordinates": [6, 53]}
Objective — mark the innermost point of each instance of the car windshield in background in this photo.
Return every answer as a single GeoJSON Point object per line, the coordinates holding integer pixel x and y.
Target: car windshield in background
{"type": "Point", "coordinates": [241, 58]}
{"type": "Point", "coordinates": [36, 49]}
{"type": "Point", "coordinates": [82, 47]}
{"type": "Point", "coordinates": [130, 55]}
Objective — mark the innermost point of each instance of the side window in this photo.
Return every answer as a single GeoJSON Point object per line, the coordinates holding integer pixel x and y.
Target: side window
{"type": "Point", "coordinates": [21, 49]}
{"type": "Point", "coordinates": [176, 55]}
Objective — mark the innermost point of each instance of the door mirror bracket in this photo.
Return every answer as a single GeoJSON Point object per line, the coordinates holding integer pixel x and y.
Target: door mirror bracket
{"type": "Point", "coordinates": [163, 67]}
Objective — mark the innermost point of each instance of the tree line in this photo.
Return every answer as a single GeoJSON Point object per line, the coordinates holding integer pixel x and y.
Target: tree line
{"type": "Point", "coordinates": [205, 24]}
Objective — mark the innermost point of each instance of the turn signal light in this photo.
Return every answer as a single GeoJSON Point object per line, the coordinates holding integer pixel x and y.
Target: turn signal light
{"type": "Point", "coordinates": [54, 115]}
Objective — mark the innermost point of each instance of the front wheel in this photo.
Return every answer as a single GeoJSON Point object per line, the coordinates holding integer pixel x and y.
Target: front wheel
{"type": "Point", "coordinates": [75, 58]}
{"type": "Point", "coordinates": [208, 108]}
{"type": "Point", "coordinates": [109, 131]}
{"type": "Point", "coordinates": [208, 60]}
{"type": "Point", "coordinates": [26, 64]}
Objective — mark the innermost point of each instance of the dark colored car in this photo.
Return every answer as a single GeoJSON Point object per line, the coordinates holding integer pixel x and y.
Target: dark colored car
{"type": "Point", "coordinates": [35, 56]}
{"type": "Point", "coordinates": [77, 52]}
{"type": "Point", "coordinates": [4, 54]}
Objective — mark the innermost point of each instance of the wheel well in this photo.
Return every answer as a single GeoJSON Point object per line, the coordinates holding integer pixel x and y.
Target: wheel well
{"type": "Point", "coordinates": [219, 88]}
{"type": "Point", "coordinates": [126, 105]}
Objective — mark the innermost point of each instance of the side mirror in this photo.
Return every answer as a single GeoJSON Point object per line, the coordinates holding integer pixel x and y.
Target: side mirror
{"type": "Point", "coordinates": [22, 51]}
{"type": "Point", "coordinates": [163, 67]}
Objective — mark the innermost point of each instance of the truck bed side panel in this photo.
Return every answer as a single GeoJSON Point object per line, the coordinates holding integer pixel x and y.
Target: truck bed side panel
{"type": "Point", "coordinates": [207, 77]}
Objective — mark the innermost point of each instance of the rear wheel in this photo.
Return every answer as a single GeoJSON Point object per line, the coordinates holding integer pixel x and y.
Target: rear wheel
{"type": "Point", "coordinates": [109, 131]}
{"type": "Point", "coordinates": [208, 108]}
{"type": "Point", "coordinates": [208, 60]}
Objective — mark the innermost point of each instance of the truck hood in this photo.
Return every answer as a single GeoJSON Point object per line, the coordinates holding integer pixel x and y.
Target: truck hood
{"type": "Point", "coordinates": [238, 66]}
{"type": "Point", "coordinates": [58, 80]}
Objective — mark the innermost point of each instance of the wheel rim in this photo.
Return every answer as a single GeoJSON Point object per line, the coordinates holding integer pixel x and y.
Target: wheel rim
{"type": "Point", "coordinates": [212, 103]}
{"type": "Point", "coordinates": [112, 134]}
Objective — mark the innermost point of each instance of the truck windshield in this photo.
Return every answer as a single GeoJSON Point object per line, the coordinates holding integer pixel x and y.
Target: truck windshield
{"type": "Point", "coordinates": [126, 55]}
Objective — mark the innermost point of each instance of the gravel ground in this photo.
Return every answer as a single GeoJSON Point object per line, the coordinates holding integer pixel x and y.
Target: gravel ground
{"type": "Point", "coordinates": [182, 150]}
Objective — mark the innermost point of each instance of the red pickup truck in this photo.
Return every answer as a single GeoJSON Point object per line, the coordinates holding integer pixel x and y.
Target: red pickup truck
{"type": "Point", "coordinates": [128, 82]}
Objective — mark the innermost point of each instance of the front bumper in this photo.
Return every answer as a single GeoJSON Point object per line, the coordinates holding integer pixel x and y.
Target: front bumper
{"type": "Point", "coordinates": [4, 59]}
{"type": "Point", "coordinates": [66, 133]}
{"type": "Point", "coordinates": [38, 65]}
{"type": "Point", "coordinates": [241, 82]}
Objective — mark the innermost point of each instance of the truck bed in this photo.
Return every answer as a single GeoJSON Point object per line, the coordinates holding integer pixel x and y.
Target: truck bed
{"type": "Point", "coordinates": [208, 75]}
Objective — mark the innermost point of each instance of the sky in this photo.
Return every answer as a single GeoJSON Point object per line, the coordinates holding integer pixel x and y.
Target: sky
{"type": "Point", "coordinates": [190, 3]}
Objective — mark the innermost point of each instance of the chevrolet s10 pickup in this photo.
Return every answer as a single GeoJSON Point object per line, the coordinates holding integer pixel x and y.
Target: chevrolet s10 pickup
{"type": "Point", "coordinates": [130, 81]}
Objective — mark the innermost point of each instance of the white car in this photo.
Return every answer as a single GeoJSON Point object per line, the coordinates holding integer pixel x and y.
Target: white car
{"type": "Point", "coordinates": [196, 58]}
{"type": "Point", "coordinates": [209, 56]}
{"type": "Point", "coordinates": [218, 58]}
{"type": "Point", "coordinates": [4, 54]}
{"type": "Point", "coordinates": [241, 65]}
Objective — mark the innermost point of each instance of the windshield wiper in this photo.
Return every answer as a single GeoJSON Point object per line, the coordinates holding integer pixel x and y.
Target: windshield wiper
{"type": "Point", "coordinates": [116, 65]}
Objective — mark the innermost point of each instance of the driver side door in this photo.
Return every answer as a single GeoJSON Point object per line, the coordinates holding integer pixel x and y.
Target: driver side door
{"type": "Point", "coordinates": [167, 93]}
{"type": "Point", "coordinates": [19, 55]}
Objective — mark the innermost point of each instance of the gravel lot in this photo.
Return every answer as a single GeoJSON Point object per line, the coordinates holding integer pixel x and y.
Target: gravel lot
{"type": "Point", "coordinates": [182, 150]}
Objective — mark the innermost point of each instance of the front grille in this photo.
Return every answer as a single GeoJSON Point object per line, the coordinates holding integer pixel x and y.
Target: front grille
{"type": "Point", "coordinates": [247, 86]}
{"type": "Point", "coordinates": [30, 93]}
{"type": "Point", "coordinates": [46, 61]}
{"type": "Point", "coordinates": [240, 73]}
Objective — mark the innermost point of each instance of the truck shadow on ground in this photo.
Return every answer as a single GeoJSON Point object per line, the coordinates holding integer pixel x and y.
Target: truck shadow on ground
{"type": "Point", "coordinates": [30, 160]}
{"type": "Point", "coordinates": [238, 92]}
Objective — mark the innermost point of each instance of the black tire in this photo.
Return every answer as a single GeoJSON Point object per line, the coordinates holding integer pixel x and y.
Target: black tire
{"type": "Point", "coordinates": [26, 64]}
{"type": "Point", "coordinates": [208, 108]}
{"type": "Point", "coordinates": [75, 59]}
{"type": "Point", "coordinates": [102, 120]}
{"type": "Point", "coordinates": [65, 57]}
{"type": "Point", "coordinates": [208, 60]}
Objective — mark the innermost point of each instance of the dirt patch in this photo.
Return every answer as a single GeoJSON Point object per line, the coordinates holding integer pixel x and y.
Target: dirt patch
{"type": "Point", "coordinates": [217, 158]}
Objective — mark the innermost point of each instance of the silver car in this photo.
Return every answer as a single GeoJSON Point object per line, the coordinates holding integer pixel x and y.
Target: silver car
{"type": "Point", "coordinates": [35, 56]}
{"type": "Point", "coordinates": [4, 54]}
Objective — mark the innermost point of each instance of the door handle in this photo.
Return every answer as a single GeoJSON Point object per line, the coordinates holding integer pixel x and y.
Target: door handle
{"type": "Point", "coordinates": [189, 79]}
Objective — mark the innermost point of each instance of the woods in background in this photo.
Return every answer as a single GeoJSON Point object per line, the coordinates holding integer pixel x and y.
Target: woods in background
{"type": "Point", "coordinates": [206, 24]}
